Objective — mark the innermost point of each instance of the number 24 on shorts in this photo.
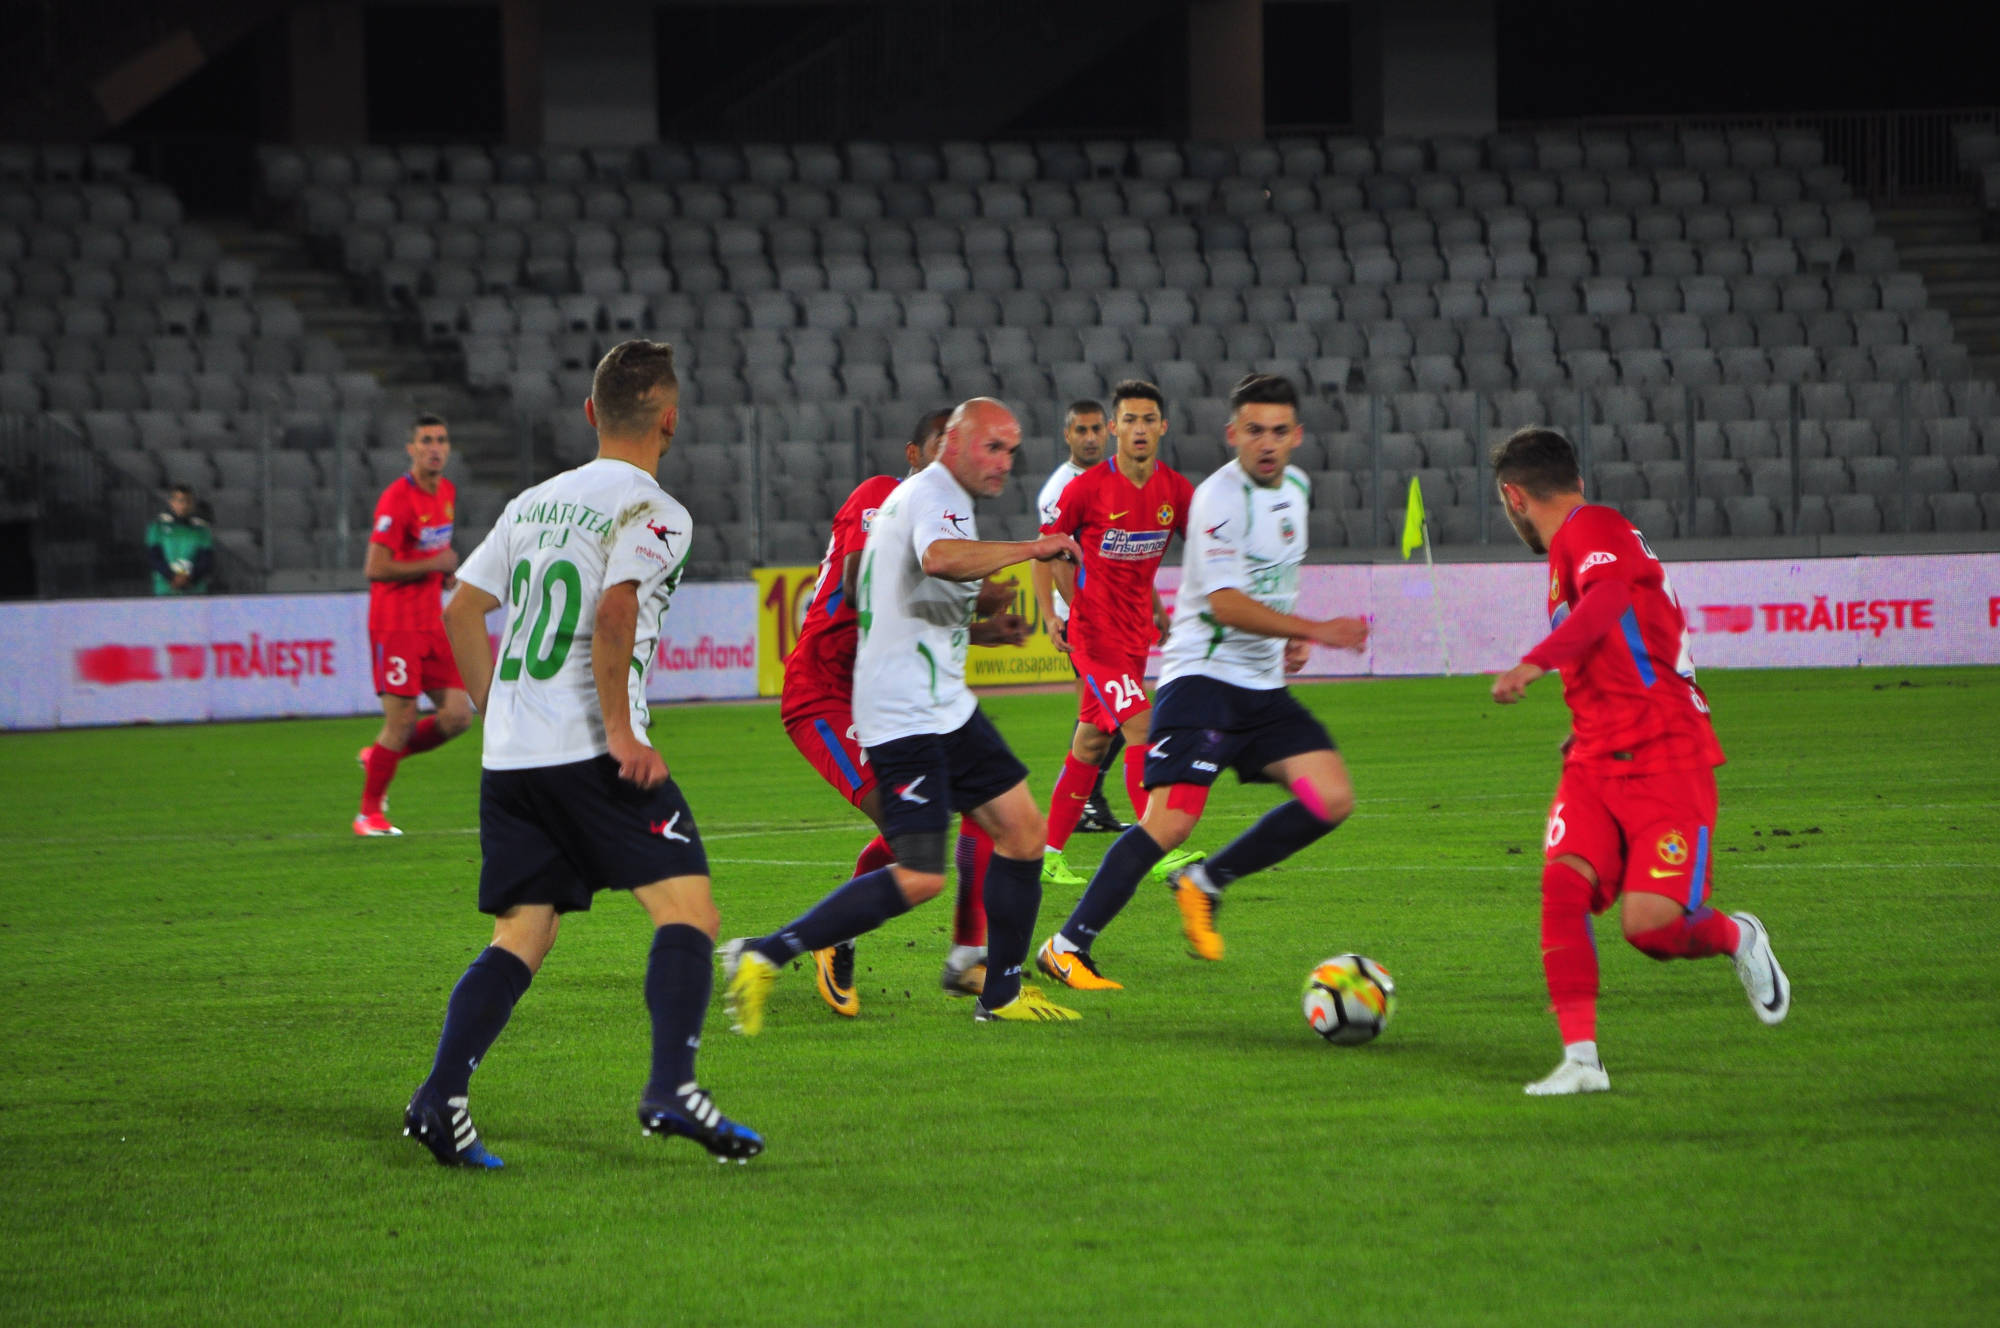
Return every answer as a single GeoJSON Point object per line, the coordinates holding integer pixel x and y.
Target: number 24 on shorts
{"type": "Point", "coordinates": [1125, 692]}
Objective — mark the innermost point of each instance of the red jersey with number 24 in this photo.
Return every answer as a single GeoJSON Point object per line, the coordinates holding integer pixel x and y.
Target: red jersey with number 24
{"type": "Point", "coordinates": [410, 524]}
{"type": "Point", "coordinates": [820, 669]}
{"type": "Point", "coordinates": [1634, 704]}
{"type": "Point", "coordinates": [1123, 529]}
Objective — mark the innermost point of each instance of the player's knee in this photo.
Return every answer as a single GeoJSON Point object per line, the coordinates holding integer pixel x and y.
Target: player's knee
{"type": "Point", "coordinates": [918, 887]}
{"type": "Point", "coordinates": [1169, 829]}
{"type": "Point", "coordinates": [455, 719]}
{"type": "Point", "coordinates": [1563, 884]}
{"type": "Point", "coordinates": [1332, 801]}
{"type": "Point", "coordinates": [1653, 925]}
{"type": "Point", "coordinates": [1661, 943]}
{"type": "Point", "coordinates": [706, 918]}
{"type": "Point", "coordinates": [1089, 745]}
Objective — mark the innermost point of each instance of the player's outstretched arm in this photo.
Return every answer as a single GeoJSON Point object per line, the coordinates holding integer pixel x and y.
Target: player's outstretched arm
{"type": "Point", "coordinates": [384, 566]}
{"type": "Point", "coordinates": [975, 560]}
{"type": "Point", "coordinates": [1045, 584]}
{"type": "Point", "coordinates": [611, 659]}
{"type": "Point", "coordinates": [1597, 611]}
{"type": "Point", "coordinates": [465, 628]}
{"type": "Point", "coordinates": [1234, 609]}
{"type": "Point", "coordinates": [1002, 629]}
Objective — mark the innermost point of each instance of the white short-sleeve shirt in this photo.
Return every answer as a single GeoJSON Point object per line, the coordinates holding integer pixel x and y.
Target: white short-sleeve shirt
{"type": "Point", "coordinates": [1241, 536]}
{"type": "Point", "coordinates": [909, 670]}
{"type": "Point", "coordinates": [1045, 505]}
{"type": "Point", "coordinates": [548, 559]}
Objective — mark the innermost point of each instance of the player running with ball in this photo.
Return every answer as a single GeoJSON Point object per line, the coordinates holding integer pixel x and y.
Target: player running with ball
{"type": "Point", "coordinates": [932, 749]}
{"type": "Point", "coordinates": [1634, 813]}
{"type": "Point", "coordinates": [817, 710]}
{"type": "Point", "coordinates": [1223, 703]}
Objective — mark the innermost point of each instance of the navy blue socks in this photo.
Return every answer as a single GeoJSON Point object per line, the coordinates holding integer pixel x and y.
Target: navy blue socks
{"type": "Point", "coordinates": [479, 1008]}
{"type": "Point", "coordinates": [1013, 897]}
{"type": "Point", "coordinates": [1281, 832]}
{"type": "Point", "coordinates": [679, 973]}
{"type": "Point", "coordinates": [1131, 856]}
{"type": "Point", "coordinates": [862, 905]}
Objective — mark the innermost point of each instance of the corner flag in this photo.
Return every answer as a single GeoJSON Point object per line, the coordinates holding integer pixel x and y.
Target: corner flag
{"type": "Point", "coordinates": [1413, 520]}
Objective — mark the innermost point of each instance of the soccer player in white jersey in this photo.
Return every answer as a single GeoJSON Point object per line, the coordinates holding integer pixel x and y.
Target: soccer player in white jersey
{"type": "Point", "coordinates": [573, 798]}
{"type": "Point", "coordinates": [1084, 432]}
{"type": "Point", "coordinates": [1223, 703]}
{"type": "Point", "coordinates": [932, 749]}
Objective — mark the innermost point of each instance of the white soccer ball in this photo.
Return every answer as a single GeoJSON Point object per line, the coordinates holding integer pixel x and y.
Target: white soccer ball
{"type": "Point", "coordinates": [1348, 999]}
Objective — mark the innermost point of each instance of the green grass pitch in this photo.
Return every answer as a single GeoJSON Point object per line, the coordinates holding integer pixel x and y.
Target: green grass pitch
{"type": "Point", "coordinates": [216, 1001]}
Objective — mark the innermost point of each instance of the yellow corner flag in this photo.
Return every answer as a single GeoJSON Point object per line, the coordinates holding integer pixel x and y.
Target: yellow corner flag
{"type": "Point", "coordinates": [1413, 520]}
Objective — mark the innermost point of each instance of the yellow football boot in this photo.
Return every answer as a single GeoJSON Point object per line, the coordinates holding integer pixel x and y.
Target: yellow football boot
{"type": "Point", "coordinates": [1198, 909]}
{"type": "Point", "coordinates": [1073, 969]}
{"type": "Point", "coordinates": [833, 976]}
{"type": "Point", "coordinates": [750, 976]}
{"type": "Point", "coordinates": [1030, 1007]}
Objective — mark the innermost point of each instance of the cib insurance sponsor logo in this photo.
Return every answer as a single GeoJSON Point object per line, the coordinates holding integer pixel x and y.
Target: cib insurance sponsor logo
{"type": "Point", "coordinates": [1825, 614]}
{"type": "Point", "coordinates": [260, 657]}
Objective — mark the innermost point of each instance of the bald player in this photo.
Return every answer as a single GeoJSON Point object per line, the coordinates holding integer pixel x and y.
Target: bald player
{"type": "Point", "coordinates": [932, 749]}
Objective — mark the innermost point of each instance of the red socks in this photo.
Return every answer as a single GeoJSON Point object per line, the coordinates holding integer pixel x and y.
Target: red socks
{"type": "Point", "coordinates": [1698, 936]}
{"type": "Point", "coordinates": [1135, 773]}
{"type": "Point", "coordinates": [874, 857]}
{"type": "Point", "coordinates": [968, 916]}
{"type": "Point", "coordinates": [1569, 952]}
{"type": "Point", "coordinates": [381, 763]}
{"type": "Point", "coordinates": [1066, 804]}
{"type": "Point", "coordinates": [426, 737]}
{"type": "Point", "coordinates": [381, 768]}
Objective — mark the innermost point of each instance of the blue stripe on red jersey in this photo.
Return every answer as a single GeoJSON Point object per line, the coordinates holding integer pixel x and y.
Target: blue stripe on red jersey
{"type": "Point", "coordinates": [1629, 624]}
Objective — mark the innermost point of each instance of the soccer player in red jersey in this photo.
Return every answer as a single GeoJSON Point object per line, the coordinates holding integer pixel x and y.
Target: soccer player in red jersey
{"type": "Point", "coordinates": [1121, 512]}
{"type": "Point", "coordinates": [816, 708]}
{"type": "Point", "coordinates": [1634, 813]}
{"type": "Point", "coordinates": [410, 562]}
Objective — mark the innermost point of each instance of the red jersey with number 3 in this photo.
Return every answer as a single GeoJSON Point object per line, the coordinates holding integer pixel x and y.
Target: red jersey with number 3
{"type": "Point", "coordinates": [1123, 529]}
{"type": "Point", "coordinates": [820, 669]}
{"type": "Point", "coordinates": [410, 524]}
{"type": "Point", "coordinates": [1634, 703]}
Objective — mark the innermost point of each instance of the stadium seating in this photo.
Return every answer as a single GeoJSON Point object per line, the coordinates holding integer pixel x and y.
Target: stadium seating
{"type": "Point", "coordinates": [1633, 285]}
{"type": "Point", "coordinates": [1656, 294]}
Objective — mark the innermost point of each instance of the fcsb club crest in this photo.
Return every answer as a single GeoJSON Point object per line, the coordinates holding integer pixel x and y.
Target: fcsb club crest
{"type": "Point", "coordinates": [1165, 514]}
{"type": "Point", "coordinates": [1555, 589]}
{"type": "Point", "coordinates": [1673, 849]}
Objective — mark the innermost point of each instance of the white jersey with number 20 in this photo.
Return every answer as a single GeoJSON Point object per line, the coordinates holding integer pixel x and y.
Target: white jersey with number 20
{"type": "Point", "coordinates": [548, 559]}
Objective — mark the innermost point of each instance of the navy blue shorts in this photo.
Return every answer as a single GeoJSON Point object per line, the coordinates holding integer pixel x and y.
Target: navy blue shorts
{"type": "Point", "coordinates": [925, 778]}
{"type": "Point", "coordinates": [1202, 727]}
{"type": "Point", "coordinates": [558, 834]}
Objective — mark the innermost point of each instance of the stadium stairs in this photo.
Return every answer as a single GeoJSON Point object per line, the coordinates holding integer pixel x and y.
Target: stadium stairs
{"type": "Point", "coordinates": [372, 340]}
{"type": "Point", "coordinates": [1946, 243]}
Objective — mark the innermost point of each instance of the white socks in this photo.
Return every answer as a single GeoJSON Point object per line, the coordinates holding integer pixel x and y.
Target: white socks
{"type": "Point", "coordinates": [1583, 1053]}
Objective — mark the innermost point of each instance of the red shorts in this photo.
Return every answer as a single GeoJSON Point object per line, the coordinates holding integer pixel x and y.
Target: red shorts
{"type": "Point", "coordinates": [1648, 833]}
{"type": "Point", "coordinates": [1114, 690]}
{"type": "Point", "coordinates": [827, 740]}
{"type": "Point", "coordinates": [412, 663]}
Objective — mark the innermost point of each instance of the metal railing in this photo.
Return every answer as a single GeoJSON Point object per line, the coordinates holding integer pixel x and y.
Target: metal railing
{"type": "Point", "coordinates": [1806, 459]}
